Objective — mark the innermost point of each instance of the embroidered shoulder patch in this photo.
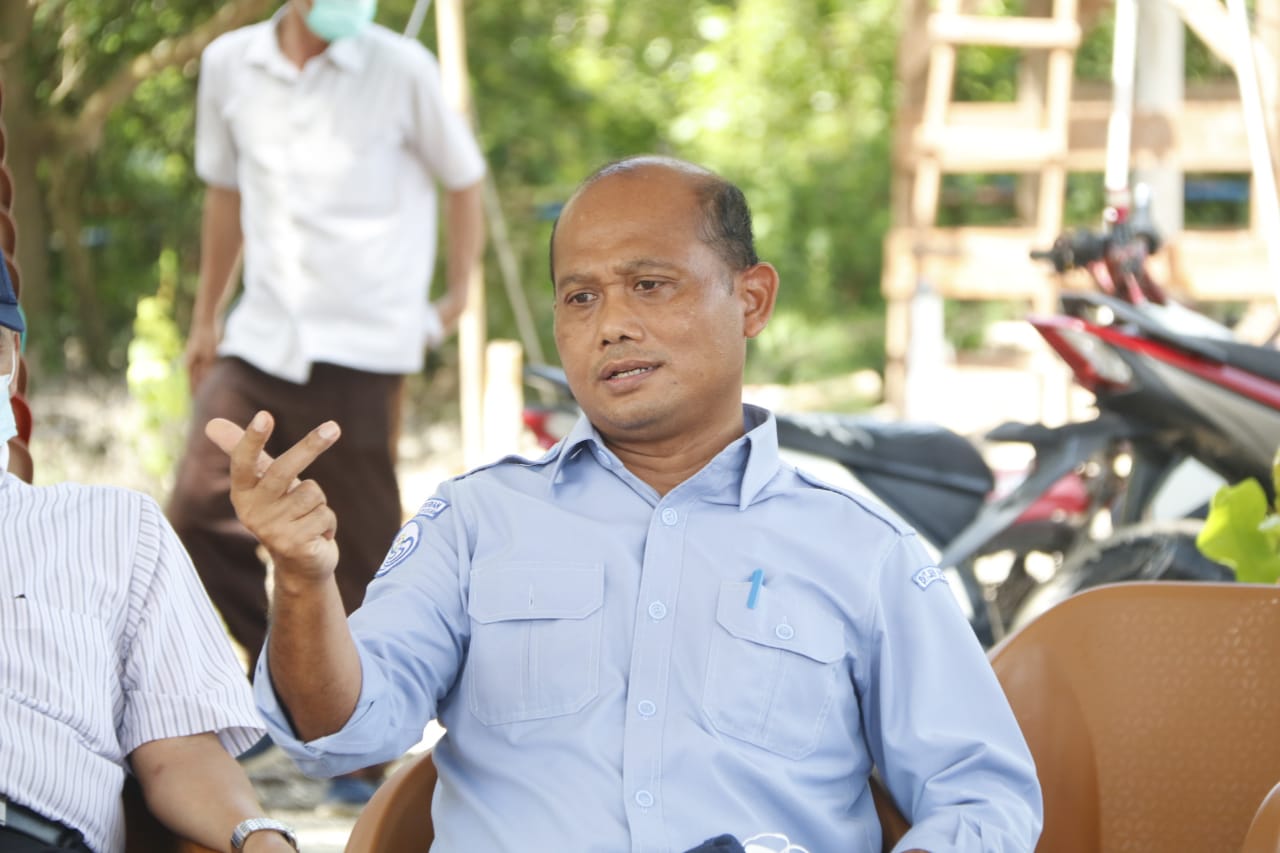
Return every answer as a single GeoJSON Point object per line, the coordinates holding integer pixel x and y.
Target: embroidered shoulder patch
{"type": "Point", "coordinates": [406, 542]}
{"type": "Point", "coordinates": [433, 507]}
{"type": "Point", "coordinates": [928, 575]}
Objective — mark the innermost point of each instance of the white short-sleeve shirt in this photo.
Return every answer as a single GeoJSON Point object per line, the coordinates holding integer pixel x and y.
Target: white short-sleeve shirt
{"type": "Point", "coordinates": [337, 165]}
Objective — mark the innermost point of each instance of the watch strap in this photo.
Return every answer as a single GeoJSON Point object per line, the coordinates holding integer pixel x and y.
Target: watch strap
{"type": "Point", "coordinates": [248, 827]}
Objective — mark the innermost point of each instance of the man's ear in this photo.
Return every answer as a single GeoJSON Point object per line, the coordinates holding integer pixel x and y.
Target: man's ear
{"type": "Point", "coordinates": [758, 290]}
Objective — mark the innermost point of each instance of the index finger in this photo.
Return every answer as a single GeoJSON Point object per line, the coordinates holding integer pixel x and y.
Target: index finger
{"type": "Point", "coordinates": [226, 435]}
{"type": "Point", "coordinates": [284, 471]}
{"type": "Point", "coordinates": [245, 447]}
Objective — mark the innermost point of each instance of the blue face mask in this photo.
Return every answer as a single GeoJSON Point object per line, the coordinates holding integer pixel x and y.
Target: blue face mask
{"type": "Point", "coordinates": [336, 19]}
{"type": "Point", "coordinates": [8, 426]}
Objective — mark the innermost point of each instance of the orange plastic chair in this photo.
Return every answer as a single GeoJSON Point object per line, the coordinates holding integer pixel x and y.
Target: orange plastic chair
{"type": "Point", "coordinates": [1150, 709]}
{"type": "Point", "coordinates": [1264, 832]}
{"type": "Point", "coordinates": [397, 818]}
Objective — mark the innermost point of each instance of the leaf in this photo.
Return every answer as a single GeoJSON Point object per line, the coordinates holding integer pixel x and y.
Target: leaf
{"type": "Point", "coordinates": [1275, 478]}
{"type": "Point", "coordinates": [1234, 533]}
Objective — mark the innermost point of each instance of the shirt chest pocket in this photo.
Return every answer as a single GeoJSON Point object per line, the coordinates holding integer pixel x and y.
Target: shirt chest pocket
{"type": "Point", "coordinates": [63, 667]}
{"type": "Point", "coordinates": [772, 672]}
{"type": "Point", "coordinates": [535, 640]}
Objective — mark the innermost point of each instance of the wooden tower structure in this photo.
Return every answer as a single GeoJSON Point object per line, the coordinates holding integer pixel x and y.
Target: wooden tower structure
{"type": "Point", "coordinates": [1056, 126]}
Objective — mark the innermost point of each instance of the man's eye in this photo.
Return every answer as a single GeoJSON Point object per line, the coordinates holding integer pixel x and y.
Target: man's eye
{"type": "Point", "coordinates": [648, 284]}
{"type": "Point", "coordinates": [579, 298]}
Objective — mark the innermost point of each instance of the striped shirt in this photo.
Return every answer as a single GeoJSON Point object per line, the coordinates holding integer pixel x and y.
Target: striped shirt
{"type": "Point", "coordinates": [107, 641]}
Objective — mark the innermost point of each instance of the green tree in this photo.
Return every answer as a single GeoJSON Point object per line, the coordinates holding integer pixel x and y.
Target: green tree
{"type": "Point", "coordinates": [97, 104]}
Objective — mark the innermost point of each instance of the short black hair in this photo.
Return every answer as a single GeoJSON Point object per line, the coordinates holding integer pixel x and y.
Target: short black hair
{"type": "Point", "coordinates": [726, 218]}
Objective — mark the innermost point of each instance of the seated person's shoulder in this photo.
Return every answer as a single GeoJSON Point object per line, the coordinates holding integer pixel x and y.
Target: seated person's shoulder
{"type": "Point", "coordinates": [859, 507]}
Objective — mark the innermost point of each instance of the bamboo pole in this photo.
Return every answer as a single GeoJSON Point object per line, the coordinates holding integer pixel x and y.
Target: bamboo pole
{"type": "Point", "coordinates": [1267, 206]}
{"type": "Point", "coordinates": [452, 50]}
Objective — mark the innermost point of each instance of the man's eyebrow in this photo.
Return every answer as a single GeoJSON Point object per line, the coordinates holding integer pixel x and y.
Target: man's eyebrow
{"type": "Point", "coordinates": [645, 264]}
{"type": "Point", "coordinates": [625, 268]}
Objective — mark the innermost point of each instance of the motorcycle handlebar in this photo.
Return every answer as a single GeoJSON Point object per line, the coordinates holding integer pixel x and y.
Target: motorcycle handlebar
{"type": "Point", "coordinates": [1074, 249]}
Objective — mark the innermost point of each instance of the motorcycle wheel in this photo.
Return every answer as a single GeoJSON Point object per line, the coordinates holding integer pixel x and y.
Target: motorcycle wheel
{"type": "Point", "coordinates": [1157, 550]}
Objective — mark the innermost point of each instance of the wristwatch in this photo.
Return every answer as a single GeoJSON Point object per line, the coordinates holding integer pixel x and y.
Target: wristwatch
{"type": "Point", "coordinates": [245, 828]}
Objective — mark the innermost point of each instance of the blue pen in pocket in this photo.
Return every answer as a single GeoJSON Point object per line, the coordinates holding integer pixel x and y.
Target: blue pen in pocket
{"type": "Point", "coordinates": [757, 578]}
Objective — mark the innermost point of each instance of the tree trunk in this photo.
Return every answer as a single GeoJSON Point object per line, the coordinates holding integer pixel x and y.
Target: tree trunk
{"type": "Point", "coordinates": [66, 193]}
{"type": "Point", "coordinates": [23, 134]}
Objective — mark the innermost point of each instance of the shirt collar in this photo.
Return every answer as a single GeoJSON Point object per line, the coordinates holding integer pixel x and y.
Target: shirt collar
{"type": "Point", "coordinates": [761, 440]}
{"type": "Point", "coordinates": [265, 51]}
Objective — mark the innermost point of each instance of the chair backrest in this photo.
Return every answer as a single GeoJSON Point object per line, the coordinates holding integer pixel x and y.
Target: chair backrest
{"type": "Point", "coordinates": [1264, 832]}
{"type": "Point", "coordinates": [1150, 709]}
{"type": "Point", "coordinates": [397, 819]}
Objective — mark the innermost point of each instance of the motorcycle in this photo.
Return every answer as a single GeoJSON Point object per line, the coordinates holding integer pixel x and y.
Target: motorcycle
{"type": "Point", "coordinates": [1189, 392]}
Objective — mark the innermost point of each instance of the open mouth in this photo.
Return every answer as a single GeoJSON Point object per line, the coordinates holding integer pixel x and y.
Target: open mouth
{"type": "Point", "coordinates": [635, 371]}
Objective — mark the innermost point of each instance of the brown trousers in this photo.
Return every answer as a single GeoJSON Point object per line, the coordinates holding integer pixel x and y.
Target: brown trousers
{"type": "Point", "coordinates": [357, 475]}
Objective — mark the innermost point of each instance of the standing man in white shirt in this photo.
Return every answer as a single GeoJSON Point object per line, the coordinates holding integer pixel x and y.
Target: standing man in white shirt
{"type": "Point", "coordinates": [111, 661]}
{"type": "Point", "coordinates": [321, 138]}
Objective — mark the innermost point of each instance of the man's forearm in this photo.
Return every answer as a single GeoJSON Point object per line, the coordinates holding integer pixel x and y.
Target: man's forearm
{"type": "Point", "coordinates": [312, 657]}
{"type": "Point", "coordinates": [464, 217]}
{"type": "Point", "coordinates": [220, 243]}
{"type": "Point", "coordinates": [195, 788]}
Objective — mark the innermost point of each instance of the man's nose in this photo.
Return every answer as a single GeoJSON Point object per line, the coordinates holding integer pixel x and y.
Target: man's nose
{"type": "Point", "coordinates": [618, 320]}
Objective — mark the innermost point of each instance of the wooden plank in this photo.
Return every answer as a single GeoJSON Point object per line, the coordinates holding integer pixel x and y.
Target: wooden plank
{"type": "Point", "coordinates": [1003, 31]}
{"type": "Point", "coordinates": [1207, 136]}
{"type": "Point", "coordinates": [1225, 266]}
{"type": "Point", "coordinates": [995, 263]}
{"type": "Point", "coordinates": [962, 148]}
{"type": "Point", "coordinates": [965, 263]}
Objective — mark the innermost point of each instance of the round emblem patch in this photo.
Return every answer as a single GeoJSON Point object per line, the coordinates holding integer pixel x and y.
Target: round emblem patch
{"type": "Point", "coordinates": [405, 544]}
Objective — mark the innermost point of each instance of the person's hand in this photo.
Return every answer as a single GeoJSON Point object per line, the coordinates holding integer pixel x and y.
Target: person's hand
{"type": "Point", "coordinates": [202, 350]}
{"type": "Point", "coordinates": [450, 308]}
{"type": "Point", "coordinates": [289, 516]}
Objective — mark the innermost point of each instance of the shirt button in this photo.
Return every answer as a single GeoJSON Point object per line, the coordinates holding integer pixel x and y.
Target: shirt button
{"type": "Point", "coordinates": [657, 611]}
{"type": "Point", "coordinates": [784, 631]}
{"type": "Point", "coordinates": [670, 517]}
{"type": "Point", "coordinates": [644, 799]}
{"type": "Point", "coordinates": [646, 708]}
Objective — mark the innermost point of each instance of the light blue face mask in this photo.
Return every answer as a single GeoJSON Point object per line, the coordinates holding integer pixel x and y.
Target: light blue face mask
{"type": "Point", "coordinates": [337, 19]}
{"type": "Point", "coordinates": [8, 426]}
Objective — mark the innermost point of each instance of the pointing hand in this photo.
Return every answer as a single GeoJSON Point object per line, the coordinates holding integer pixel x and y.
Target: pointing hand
{"type": "Point", "coordinates": [288, 516]}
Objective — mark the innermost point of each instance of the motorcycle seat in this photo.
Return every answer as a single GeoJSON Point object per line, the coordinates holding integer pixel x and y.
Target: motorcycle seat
{"type": "Point", "coordinates": [1259, 361]}
{"type": "Point", "coordinates": [915, 451]}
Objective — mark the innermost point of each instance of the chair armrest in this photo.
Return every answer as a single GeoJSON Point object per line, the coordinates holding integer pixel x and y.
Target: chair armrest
{"type": "Point", "coordinates": [1264, 832]}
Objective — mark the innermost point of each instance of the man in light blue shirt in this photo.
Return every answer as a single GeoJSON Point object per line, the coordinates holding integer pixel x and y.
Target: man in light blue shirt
{"type": "Point", "coordinates": [658, 632]}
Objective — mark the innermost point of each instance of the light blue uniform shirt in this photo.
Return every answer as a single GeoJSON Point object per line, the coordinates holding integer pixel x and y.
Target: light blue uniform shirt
{"type": "Point", "coordinates": [605, 685]}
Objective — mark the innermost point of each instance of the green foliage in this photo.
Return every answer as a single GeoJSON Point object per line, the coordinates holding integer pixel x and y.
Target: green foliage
{"type": "Point", "coordinates": [157, 379]}
{"type": "Point", "coordinates": [1243, 532]}
{"type": "Point", "coordinates": [793, 99]}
